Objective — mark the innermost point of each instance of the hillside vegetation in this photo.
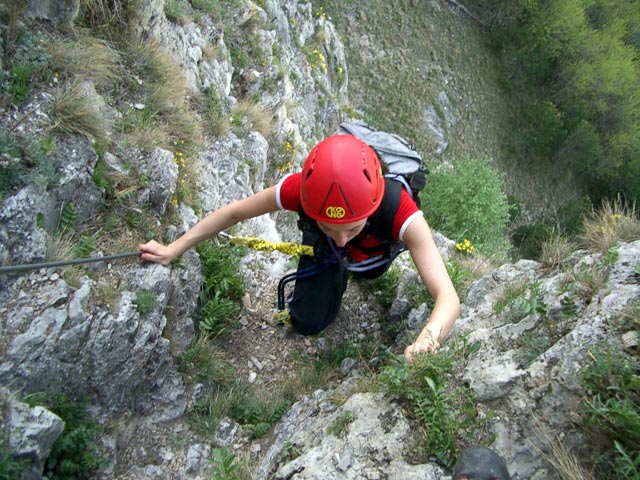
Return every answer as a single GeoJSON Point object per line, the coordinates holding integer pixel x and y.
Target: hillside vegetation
{"type": "Point", "coordinates": [547, 91]}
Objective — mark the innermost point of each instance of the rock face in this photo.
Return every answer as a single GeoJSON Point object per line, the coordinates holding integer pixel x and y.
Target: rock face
{"type": "Point", "coordinates": [31, 431]}
{"type": "Point", "coordinates": [362, 438]}
{"type": "Point", "coordinates": [524, 393]}
{"type": "Point", "coordinates": [118, 359]}
{"type": "Point", "coordinates": [544, 387]}
{"type": "Point", "coordinates": [92, 339]}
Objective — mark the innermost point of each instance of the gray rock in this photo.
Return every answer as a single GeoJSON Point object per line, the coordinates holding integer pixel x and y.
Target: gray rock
{"type": "Point", "coordinates": [32, 431]}
{"type": "Point", "coordinates": [162, 172]}
{"type": "Point", "coordinates": [59, 12]}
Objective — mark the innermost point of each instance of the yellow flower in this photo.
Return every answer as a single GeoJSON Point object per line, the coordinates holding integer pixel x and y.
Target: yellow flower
{"type": "Point", "coordinates": [465, 247]}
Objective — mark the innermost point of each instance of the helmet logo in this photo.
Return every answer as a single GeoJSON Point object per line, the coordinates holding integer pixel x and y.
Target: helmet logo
{"type": "Point", "coordinates": [335, 212]}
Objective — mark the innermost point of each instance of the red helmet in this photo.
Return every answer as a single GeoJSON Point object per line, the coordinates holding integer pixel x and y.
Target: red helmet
{"type": "Point", "coordinates": [342, 180]}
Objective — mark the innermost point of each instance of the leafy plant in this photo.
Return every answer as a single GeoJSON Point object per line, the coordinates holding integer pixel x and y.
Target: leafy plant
{"type": "Point", "coordinates": [146, 301]}
{"type": "Point", "coordinates": [521, 300]}
{"type": "Point", "coordinates": [68, 218]}
{"type": "Point", "coordinates": [86, 246]}
{"type": "Point", "coordinates": [611, 410]}
{"type": "Point", "coordinates": [221, 289]}
{"type": "Point", "coordinates": [224, 465]}
{"type": "Point", "coordinates": [217, 314]}
{"type": "Point", "coordinates": [445, 413]}
{"type": "Point", "coordinates": [75, 454]}
{"type": "Point", "coordinates": [627, 465]}
{"type": "Point", "coordinates": [289, 452]}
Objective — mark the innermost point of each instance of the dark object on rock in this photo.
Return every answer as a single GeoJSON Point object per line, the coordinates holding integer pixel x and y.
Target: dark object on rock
{"type": "Point", "coordinates": [480, 463]}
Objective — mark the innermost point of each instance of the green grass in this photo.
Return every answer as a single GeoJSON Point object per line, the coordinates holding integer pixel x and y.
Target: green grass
{"type": "Point", "coordinates": [10, 466]}
{"type": "Point", "coordinates": [611, 412]}
{"type": "Point", "coordinates": [27, 161]}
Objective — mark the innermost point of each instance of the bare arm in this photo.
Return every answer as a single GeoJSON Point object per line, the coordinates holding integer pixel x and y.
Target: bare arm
{"type": "Point", "coordinates": [434, 274]}
{"type": "Point", "coordinates": [225, 217]}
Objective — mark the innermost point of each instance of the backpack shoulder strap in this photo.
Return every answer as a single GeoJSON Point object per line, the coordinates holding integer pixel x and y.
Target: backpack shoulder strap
{"type": "Point", "coordinates": [380, 224]}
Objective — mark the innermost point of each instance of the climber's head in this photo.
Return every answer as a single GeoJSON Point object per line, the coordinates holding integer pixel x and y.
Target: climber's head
{"type": "Point", "coordinates": [342, 181]}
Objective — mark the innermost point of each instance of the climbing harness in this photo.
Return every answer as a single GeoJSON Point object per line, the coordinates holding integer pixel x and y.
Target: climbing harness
{"type": "Point", "coordinates": [369, 263]}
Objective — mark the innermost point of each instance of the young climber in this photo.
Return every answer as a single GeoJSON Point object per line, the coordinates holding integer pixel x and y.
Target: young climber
{"type": "Point", "coordinates": [345, 205]}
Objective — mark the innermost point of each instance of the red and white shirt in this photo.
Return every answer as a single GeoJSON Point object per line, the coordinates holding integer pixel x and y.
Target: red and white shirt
{"type": "Point", "coordinates": [288, 198]}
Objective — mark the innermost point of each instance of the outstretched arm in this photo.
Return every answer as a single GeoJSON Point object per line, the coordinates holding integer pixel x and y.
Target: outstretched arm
{"type": "Point", "coordinates": [434, 274]}
{"type": "Point", "coordinates": [225, 217]}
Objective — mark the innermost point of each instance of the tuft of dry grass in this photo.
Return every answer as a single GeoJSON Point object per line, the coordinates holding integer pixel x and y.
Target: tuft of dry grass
{"type": "Point", "coordinates": [100, 14]}
{"type": "Point", "coordinates": [167, 115]}
{"type": "Point", "coordinates": [248, 116]}
{"type": "Point", "coordinates": [87, 58]}
{"type": "Point", "coordinates": [559, 457]}
{"type": "Point", "coordinates": [615, 222]}
{"type": "Point", "coordinates": [473, 267]}
{"type": "Point", "coordinates": [319, 37]}
{"type": "Point", "coordinates": [556, 249]}
{"type": "Point", "coordinates": [77, 109]}
{"type": "Point", "coordinates": [478, 265]}
{"type": "Point", "coordinates": [60, 247]}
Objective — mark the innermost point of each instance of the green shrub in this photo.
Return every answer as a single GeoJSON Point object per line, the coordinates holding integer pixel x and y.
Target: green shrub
{"type": "Point", "coordinates": [75, 454]}
{"type": "Point", "coordinates": [468, 203]}
{"type": "Point", "coordinates": [527, 240]}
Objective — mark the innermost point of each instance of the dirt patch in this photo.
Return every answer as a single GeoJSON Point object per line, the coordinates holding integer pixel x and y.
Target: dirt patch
{"type": "Point", "coordinates": [263, 351]}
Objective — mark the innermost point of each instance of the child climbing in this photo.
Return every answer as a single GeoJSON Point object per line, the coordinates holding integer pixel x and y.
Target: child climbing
{"type": "Point", "coordinates": [356, 220]}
